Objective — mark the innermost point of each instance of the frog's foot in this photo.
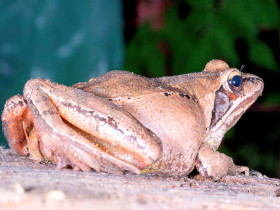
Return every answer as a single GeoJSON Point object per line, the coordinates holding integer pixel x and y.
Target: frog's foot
{"type": "Point", "coordinates": [215, 165]}
{"type": "Point", "coordinates": [72, 127]}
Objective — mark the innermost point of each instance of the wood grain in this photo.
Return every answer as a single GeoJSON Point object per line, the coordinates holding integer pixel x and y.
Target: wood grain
{"type": "Point", "coordinates": [28, 185]}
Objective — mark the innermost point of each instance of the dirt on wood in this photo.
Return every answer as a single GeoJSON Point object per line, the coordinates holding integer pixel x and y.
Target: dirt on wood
{"type": "Point", "coordinates": [28, 185]}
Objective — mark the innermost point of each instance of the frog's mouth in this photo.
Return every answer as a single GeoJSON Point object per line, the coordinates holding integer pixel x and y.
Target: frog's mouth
{"type": "Point", "coordinates": [230, 105]}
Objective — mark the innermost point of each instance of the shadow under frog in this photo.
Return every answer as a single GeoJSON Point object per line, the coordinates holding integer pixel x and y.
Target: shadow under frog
{"type": "Point", "coordinates": [125, 122]}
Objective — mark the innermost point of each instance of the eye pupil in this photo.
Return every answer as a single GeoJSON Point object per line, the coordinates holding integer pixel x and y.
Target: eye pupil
{"type": "Point", "coordinates": [236, 81]}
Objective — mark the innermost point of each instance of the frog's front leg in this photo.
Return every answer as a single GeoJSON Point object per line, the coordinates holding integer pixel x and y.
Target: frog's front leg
{"type": "Point", "coordinates": [213, 164]}
{"type": "Point", "coordinates": [77, 127]}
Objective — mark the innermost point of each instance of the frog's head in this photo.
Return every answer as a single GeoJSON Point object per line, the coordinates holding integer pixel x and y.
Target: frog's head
{"type": "Point", "coordinates": [232, 92]}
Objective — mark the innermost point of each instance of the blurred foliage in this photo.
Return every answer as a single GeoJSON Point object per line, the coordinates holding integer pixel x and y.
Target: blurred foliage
{"type": "Point", "coordinates": [198, 31]}
{"type": "Point", "coordinates": [237, 31]}
{"type": "Point", "coordinates": [67, 41]}
{"type": "Point", "coordinates": [250, 153]}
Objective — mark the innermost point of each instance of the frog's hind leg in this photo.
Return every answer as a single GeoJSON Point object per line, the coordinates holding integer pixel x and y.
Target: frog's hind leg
{"type": "Point", "coordinates": [64, 117]}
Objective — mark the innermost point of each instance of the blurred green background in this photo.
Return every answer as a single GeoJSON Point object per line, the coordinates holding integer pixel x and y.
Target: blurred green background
{"type": "Point", "coordinates": [66, 41]}
{"type": "Point", "coordinates": [72, 41]}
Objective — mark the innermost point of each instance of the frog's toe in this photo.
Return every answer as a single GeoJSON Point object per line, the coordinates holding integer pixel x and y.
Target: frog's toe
{"type": "Point", "coordinates": [62, 162]}
{"type": "Point", "coordinates": [255, 173]}
{"type": "Point", "coordinates": [83, 160]}
{"type": "Point", "coordinates": [108, 167]}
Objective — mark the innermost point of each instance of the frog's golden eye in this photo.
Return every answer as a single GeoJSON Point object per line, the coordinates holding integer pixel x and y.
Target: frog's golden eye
{"type": "Point", "coordinates": [235, 80]}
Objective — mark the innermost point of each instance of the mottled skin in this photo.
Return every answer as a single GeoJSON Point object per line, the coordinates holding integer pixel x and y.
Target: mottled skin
{"type": "Point", "coordinates": [121, 121]}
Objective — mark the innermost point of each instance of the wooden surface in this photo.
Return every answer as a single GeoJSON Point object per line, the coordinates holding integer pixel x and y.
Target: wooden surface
{"type": "Point", "coordinates": [28, 185]}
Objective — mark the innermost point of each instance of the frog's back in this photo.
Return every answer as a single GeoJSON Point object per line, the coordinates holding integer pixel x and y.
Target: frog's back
{"type": "Point", "coordinates": [119, 83]}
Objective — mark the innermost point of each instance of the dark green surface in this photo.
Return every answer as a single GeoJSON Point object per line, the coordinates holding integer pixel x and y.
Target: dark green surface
{"type": "Point", "coordinates": [67, 41]}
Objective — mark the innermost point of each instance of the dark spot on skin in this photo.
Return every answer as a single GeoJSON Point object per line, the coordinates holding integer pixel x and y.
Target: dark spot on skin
{"type": "Point", "coordinates": [91, 112]}
{"type": "Point", "coordinates": [110, 99]}
{"type": "Point", "coordinates": [184, 95]}
{"type": "Point", "coordinates": [128, 98]}
{"type": "Point", "coordinates": [112, 122]}
{"type": "Point", "coordinates": [166, 94]}
{"type": "Point", "coordinates": [45, 113]}
{"type": "Point", "coordinates": [20, 103]}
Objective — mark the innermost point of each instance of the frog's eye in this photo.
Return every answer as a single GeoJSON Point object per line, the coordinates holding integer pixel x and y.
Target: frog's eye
{"type": "Point", "coordinates": [235, 80]}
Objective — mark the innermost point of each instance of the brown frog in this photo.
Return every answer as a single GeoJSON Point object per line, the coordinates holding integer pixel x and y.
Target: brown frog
{"type": "Point", "coordinates": [124, 122]}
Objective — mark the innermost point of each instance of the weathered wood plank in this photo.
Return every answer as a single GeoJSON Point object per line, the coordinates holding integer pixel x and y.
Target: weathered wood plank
{"type": "Point", "coordinates": [28, 185]}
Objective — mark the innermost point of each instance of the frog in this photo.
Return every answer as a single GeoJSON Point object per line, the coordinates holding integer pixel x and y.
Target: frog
{"type": "Point", "coordinates": [122, 122]}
